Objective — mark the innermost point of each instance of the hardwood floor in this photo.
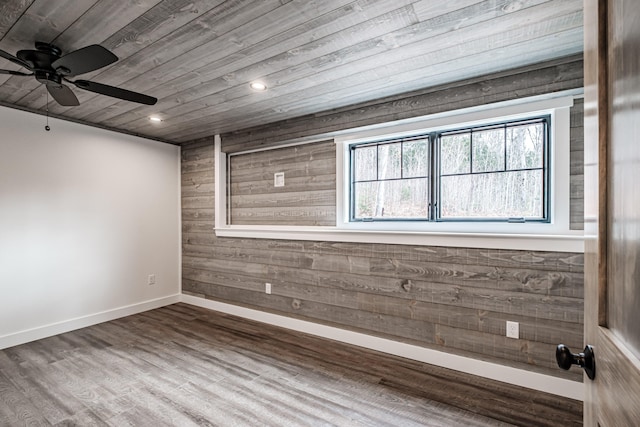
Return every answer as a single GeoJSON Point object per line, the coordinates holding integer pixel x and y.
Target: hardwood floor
{"type": "Point", "coordinates": [186, 366]}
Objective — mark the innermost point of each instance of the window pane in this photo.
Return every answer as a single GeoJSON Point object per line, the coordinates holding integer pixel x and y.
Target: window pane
{"type": "Point", "coordinates": [415, 159]}
{"type": "Point", "coordinates": [389, 161]}
{"type": "Point", "coordinates": [525, 145]}
{"type": "Point", "coordinates": [455, 153]}
{"type": "Point", "coordinates": [365, 199]}
{"type": "Point", "coordinates": [488, 150]}
{"type": "Point", "coordinates": [406, 198]}
{"type": "Point", "coordinates": [365, 162]}
{"type": "Point", "coordinates": [506, 194]}
{"type": "Point", "coordinates": [492, 172]}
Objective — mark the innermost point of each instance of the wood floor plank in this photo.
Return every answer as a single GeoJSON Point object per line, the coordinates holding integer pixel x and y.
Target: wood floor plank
{"type": "Point", "coordinates": [84, 418]}
{"type": "Point", "coordinates": [15, 409]}
{"type": "Point", "coordinates": [187, 366]}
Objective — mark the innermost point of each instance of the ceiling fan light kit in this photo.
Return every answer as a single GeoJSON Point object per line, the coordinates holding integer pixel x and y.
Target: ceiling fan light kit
{"type": "Point", "coordinates": [53, 69]}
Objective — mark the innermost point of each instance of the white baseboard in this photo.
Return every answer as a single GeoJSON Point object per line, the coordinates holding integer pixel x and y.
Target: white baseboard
{"type": "Point", "coordinates": [46, 331]}
{"type": "Point", "coordinates": [494, 371]}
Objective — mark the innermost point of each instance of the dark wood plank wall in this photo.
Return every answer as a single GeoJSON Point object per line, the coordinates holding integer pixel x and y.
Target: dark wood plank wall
{"type": "Point", "coordinates": [308, 198]}
{"type": "Point", "coordinates": [576, 208]}
{"type": "Point", "coordinates": [561, 74]}
{"type": "Point", "coordinates": [309, 194]}
{"type": "Point", "coordinates": [452, 299]}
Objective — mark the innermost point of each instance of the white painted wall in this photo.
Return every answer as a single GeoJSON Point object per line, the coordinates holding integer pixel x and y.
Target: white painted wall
{"type": "Point", "coordinates": [85, 216]}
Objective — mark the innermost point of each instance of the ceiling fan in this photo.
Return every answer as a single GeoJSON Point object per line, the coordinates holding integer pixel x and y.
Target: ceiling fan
{"type": "Point", "coordinates": [52, 69]}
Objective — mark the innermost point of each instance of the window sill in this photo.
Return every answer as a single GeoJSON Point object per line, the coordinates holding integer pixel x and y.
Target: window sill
{"type": "Point", "coordinates": [533, 242]}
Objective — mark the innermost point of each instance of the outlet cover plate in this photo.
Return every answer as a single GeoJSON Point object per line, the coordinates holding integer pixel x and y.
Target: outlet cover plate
{"type": "Point", "coordinates": [513, 330]}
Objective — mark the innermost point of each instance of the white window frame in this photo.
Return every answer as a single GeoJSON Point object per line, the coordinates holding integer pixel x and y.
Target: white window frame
{"type": "Point", "coordinates": [553, 236]}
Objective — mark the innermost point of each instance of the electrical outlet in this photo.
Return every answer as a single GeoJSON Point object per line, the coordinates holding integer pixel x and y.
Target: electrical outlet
{"type": "Point", "coordinates": [267, 288]}
{"type": "Point", "coordinates": [151, 280]}
{"type": "Point", "coordinates": [513, 330]}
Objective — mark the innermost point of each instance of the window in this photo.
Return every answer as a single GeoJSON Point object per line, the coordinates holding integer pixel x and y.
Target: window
{"type": "Point", "coordinates": [489, 172]}
{"type": "Point", "coordinates": [390, 180]}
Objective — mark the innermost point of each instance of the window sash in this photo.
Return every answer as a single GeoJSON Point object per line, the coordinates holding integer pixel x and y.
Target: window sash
{"type": "Point", "coordinates": [434, 173]}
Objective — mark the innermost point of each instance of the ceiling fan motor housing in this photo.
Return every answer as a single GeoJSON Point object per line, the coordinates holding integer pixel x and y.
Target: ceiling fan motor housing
{"type": "Point", "coordinates": [48, 78]}
{"type": "Point", "coordinates": [42, 58]}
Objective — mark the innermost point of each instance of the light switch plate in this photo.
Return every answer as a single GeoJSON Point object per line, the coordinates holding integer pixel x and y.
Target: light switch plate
{"type": "Point", "coordinates": [278, 179]}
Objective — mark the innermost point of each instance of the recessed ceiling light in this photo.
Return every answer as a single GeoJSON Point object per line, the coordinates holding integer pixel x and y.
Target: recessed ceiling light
{"type": "Point", "coordinates": [155, 119]}
{"type": "Point", "coordinates": [258, 86]}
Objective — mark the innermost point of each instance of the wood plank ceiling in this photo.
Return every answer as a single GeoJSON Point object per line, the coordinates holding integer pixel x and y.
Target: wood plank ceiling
{"type": "Point", "coordinates": [199, 56]}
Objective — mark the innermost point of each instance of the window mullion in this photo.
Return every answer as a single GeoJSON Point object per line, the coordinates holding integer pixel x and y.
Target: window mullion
{"type": "Point", "coordinates": [505, 148]}
{"type": "Point", "coordinates": [433, 176]}
{"type": "Point", "coordinates": [401, 160]}
{"type": "Point", "coordinates": [471, 151]}
{"type": "Point", "coordinates": [378, 162]}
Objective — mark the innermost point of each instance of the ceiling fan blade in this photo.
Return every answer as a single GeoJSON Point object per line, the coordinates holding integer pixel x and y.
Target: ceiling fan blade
{"type": "Point", "coordinates": [84, 60]}
{"type": "Point", "coordinates": [15, 73]}
{"type": "Point", "coordinates": [115, 92]}
{"type": "Point", "coordinates": [63, 95]}
{"type": "Point", "coordinates": [15, 60]}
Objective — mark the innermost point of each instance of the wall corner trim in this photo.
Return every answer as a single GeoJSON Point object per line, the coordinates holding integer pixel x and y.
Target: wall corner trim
{"type": "Point", "coordinates": [519, 377]}
{"type": "Point", "coordinates": [52, 329]}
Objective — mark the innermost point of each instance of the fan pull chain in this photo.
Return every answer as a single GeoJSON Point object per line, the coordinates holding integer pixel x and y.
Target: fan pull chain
{"type": "Point", "coordinates": [46, 127]}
